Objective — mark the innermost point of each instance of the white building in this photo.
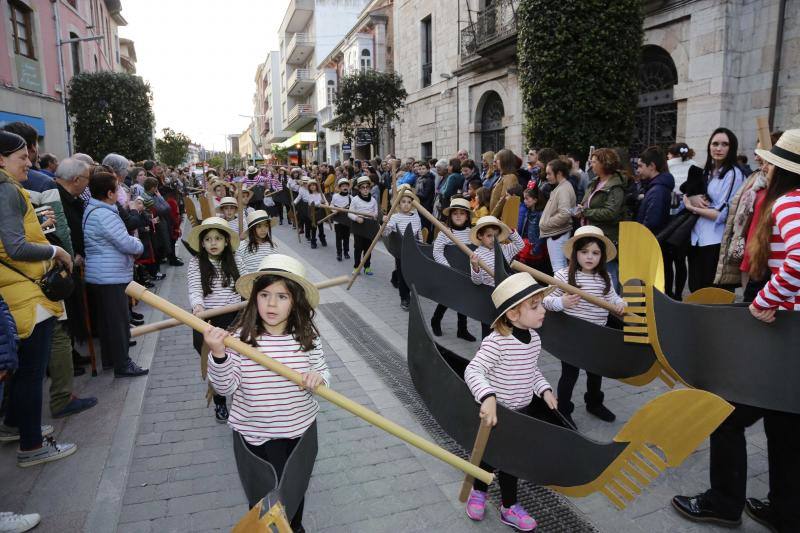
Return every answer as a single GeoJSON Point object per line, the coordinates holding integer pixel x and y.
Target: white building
{"type": "Point", "coordinates": [268, 109]}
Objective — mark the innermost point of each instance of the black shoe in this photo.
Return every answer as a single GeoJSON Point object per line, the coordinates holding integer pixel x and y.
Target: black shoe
{"type": "Point", "coordinates": [761, 512]}
{"type": "Point", "coordinates": [347, 255]}
{"type": "Point", "coordinates": [404, 305]}
{"type": "Point", "coordinates": [698, 509]}
{"type": "Point", "coordinates": [323, 243]}
{"type": "Point", "coordinates": [135, 322]}
{"type": "Point", "coordinates": [465, 334]}
{"type": "Point", "coordinates": [338, 257]}
{"type": "Point", "coordinates": [176, 262]}
{"type": "Point", "coordinates": [436, 327]}
{"type": "Point", "coordinates": [78, 371]}
{"type": "Point", "coordinates": [221, 413]}
{"type": "Point", "coordinates": [75, 406]}
{"type": "Point", "coordinates": [601, 411]}
{"type": "Point", "coordinates": [314, 244]}
{"type": "Point", "coordinates": [131, 344]}
{"type": "Point", "coordinates": [80, 360]}
{"type": "Point", "coordinates": [137, 316]}
{"type": "Point", "coordinates": [159, 276]}
{"type": "Point", "coordinates": [131, 371]}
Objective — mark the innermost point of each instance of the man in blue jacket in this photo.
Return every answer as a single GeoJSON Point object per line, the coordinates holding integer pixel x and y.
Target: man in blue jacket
{"type": "Point", "coordinates": [653, 209]}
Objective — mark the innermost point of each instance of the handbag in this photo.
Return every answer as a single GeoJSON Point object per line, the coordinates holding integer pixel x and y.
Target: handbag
{"type": "Point", "coordinates": [56, 284]}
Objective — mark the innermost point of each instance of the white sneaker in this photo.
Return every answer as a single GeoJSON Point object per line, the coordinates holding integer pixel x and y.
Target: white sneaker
{"type": "Point", "coordinates": [17, 523]}
{"type": "Point", "coordinates": [50, 451]}
{"type": "Point", "coordinates": [9, 434]}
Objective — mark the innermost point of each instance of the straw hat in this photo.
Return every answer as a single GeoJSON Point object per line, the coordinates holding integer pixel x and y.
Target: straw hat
{"type": "Point", "coordinates": [211, 223]}
{"type": "Point", "coordinates": [785, 153]}
{"type": "Point", "coordinates": [283, 266]}
{"type": "Point", "coordinates": [257, 217]}
{"type": "Point", "coordinates": [514, 290]}
{"type": "Point", "coordinates": [489, 220]}
{"type": "Point", "coordinates": [212, 184]}
{"type": "Point", "coordinates": [246, 189]}
{"type": "Point", "coordinates": [363, 179]}
{"type": "Point", "coordinates": [457, 203]}
{"type": "Point", "coordinates": [342, 181]}
{"type": "Point", "coordinates": [591, 231]}
{"type": "Point", "coordinates": [406, 190]}
{"type": "Point", "coordinates": [252, 171]}
{"type": "Point", "coordinates": [228, 201]}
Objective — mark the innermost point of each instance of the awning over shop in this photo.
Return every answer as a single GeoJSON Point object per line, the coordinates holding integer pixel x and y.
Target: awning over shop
{"type": "Point", "coordinates": [302, 137]}
{"type": "Point", "coordinates": [36, 122]}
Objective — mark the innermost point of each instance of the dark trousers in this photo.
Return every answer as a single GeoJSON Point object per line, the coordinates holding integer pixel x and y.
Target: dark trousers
{"type": "Point", "coordinates": [342, 238]}
{"type": "Point", "coordinates": [402, 287]}
{"type": "Point", "coordinates": [728, 469]}
{"type": "Point", "coordinates": [674, 272]}
{"type": "Point", "coordinates": [222, 321]}
{"type": "Point", "coordinates": [438, 315]}
{"type": "Point", "coordinates": [360, 247]}
{"type": "Point", "coordinates": [24, 409]}
{"type": "Point", "coordinates": [566, 383]}
{"type": "Point", "coordinates": [277, 452]}
{"type": "Point", "coordinates": [113, 323]}
{"type": "Point", "coordinates": [319, 229]}
{"type": "Point", "coordinates": [702, 266]}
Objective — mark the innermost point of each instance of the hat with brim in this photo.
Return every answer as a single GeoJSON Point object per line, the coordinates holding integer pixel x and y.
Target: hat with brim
{"type": "Point", "coordinates": [785, 153]}
{"type": "Point", "coordinates": [342, 181]}
{"type": "Point", "coordinates": [514, 290]}
{"type": "Point", "coordinates": [282, 266]}
{"type": "Point", "coordinates": [252, 171]}
{"type": "Point", "coordinates": [457, 203]}
{"type": "Point", "coordinates": [257, 217]}
{"type": "Point", "coordinates": [595, 232]}
{"type": "Point", "coordinates": [211, 223]}
{"type": "Point", "coordinates": [363, 179]}
{"type": "Point", "coordinates": [489, 220]}
{"type": "Point", "coordinates": [228, 201]}
{"type": "Point", "coordinates": [213, 184]}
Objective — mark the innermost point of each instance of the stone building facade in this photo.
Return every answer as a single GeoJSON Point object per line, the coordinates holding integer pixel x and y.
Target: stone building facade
{"type": "Point", "coordinates": [706, 63]}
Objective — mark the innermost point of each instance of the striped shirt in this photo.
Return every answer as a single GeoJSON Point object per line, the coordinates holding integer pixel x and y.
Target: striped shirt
{"type": "Point", "coordinates": [591, 283]}
{"type": "Point", "coordinates": [400, 221]}
{"type": "Point", "coordinates": [219, 295]}
{"type": "Point", "coordinates": [266, 405]}
{"type": "Point", "coordinates": [783, 288]}
{"type": "Point", "coordinates": [258, 179]}
{"type": "Point", "coordinates": [252, 260]}
{"type": "Point", "coordinates": [443, 240]}
{"type": "Point", "coordinates": [487, 255]}
{"type": "Point", "coordinates": [234, 222]}
{"type": "Point", "coordinates": [358, 204]}
{"type": "Point", "coordinates": [273, 183]}
{"type": "Point", "coordinates": [507, 368]}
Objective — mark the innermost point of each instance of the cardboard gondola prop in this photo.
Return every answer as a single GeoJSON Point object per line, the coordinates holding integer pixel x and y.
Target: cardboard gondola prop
{"type": "Point", "coordinates": [611, 357]}
{"type": "Point", "coordinates": [706, 345]}
{"type": "Point", "coordinates": [457, 260]}
{"type": "Point", "coordinates": [545, 452]}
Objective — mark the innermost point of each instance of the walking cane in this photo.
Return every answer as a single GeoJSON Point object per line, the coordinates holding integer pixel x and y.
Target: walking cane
{"type": "Point", "coordinates": [167, 307]}
{"type": "Point", "coordinates": [88, 323]}
{"type": "Point", "coordinates": [481, 439]}
{"type": "Point", "coordinates": [395, 203]}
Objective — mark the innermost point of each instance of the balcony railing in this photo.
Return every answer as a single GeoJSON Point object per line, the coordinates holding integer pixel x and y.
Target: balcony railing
{"type": "Point", "coordinates": [300, 81]}
{"type": "Point", "coordinates": [299, 115]}
{"type": "Point", "coordinates": [300, 47]}
{"type": "Point", "coordinates": [493, 27]}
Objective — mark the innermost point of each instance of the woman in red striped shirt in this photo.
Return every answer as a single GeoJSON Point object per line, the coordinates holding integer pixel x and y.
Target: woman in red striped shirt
{"type": "Point", "coordinates": [269, 412]}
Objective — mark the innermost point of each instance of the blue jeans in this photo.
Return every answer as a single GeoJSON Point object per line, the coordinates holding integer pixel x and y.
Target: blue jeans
{"type": "Point", "coordinates": [25, 388]}
{"type": "Point", "coordinates": [613, 270]}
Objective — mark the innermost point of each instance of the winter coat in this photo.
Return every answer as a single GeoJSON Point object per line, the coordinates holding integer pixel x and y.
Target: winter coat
{"type": "Point", "coordinates": [425, 191]}
{"type": "Point", "coordinates": [73, 213]}
{"type": "Point", "coordinates": [8, 338]}
{"type": "Point", "coordinates": [500, 189]}
{"type": "Point", "coordinates": [452, 184]}
{"type": "Point", "coordinates": [556, 219]}
{"type": "Point", "coordinates": [654, 209]}
{"type": "Point", "coordinates": [110, 251]}
{"type": "Point", "coordinates": [607, 207]}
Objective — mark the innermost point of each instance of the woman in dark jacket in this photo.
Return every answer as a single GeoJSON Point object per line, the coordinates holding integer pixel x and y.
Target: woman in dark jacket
{"type": "Point", "coordinates": [653, 210]}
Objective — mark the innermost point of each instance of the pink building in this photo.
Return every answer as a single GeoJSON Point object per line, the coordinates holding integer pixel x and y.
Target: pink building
{"type": "Point", "coordinates": [31, 84]}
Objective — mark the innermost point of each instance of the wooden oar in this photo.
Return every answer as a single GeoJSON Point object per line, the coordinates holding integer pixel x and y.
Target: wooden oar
{"type": "Point", "coordinates": [516, 265]}
{"type": "Point", "coordinates": [167, 307]}
{"type": "Point", "coordinates": [343, 210]}
{"type": "Point", "coordinates": [392, 209]}
{"type": "Point", "coordinates": [481, 439]}
{"type": "Point", "coordinates": [225, 309]}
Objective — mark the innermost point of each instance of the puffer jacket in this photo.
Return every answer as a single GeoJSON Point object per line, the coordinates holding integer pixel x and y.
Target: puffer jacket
{"type": "Point", "coordinates": [654, 210]}
{"type": "Point", "coordinates": [110, 251]}
{"type": "Point", "coordinates": [8, 338]}
{"type": "Point", "coordinates": [607, 207]}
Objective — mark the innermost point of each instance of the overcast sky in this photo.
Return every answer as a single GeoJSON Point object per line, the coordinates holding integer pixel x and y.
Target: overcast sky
{"type": "Point", "coordinates": [200, 58]}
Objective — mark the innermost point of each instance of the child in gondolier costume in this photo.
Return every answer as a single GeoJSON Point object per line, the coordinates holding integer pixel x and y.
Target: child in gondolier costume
{"type": "Point", "coordinates": [363, 202]}
{"type": "Point", "coordinates": [404, 216]}
{"type": "Point", "coordinates": [247, 194]}
{"type": "Point", "coordinates": [269, 412]}
{"type": "Point", "coordinates": [227, 210]}
{"type": "Point", "coordinates": [312, 199]}
{"type": "Point", "coordinates": [588, 252]}
{"type": "Point", "coordinates": [301, 208]}
{"type": "Point", "coordinates": [505, 371]}
{"type": "Point", "coordinates": [342, 200]}
{"type": "Point", "coordinates": [211, 277]}
{"type": "Point", "coordinates": [486, 231]}
{"type": "Point", "coordinates": [458, 219]}
{"type": "Point", "coordinates": [259, 243]}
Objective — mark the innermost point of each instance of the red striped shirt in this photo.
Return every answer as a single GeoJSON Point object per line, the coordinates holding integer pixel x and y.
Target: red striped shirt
{"type": "Point", "coordinates": [783, 288]}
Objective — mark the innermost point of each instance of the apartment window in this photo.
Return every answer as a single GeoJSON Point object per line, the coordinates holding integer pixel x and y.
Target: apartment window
{"type": "Point", "coordinates": [426, 51]}
{"type": "Point", "coordinates": [426, 150]}
{"type": "Point", "coordinates": [331, 92]}
{"type": "Point", "coordinates": [75, 53]}
{"type": "Point", "coordinates": [366, 60]}
{"type": "Point", "coordinates": [22, 29]}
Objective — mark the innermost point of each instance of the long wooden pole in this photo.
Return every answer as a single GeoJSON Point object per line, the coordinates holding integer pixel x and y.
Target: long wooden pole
{"type": "Point", "coordinates": [294, 212]}
{"type": "Point", "coordinates": [239, 208]}
{"type": "Point", "coordinates": [395, 203]}
{"type": "Point", "coordinates": [167, 307]}
{"type": "Point", "coordinates": [516, 265]}
{"type": "Point", "coordinates": [481, 439]}
{"type": "Point", "coordinates": [225, 309]}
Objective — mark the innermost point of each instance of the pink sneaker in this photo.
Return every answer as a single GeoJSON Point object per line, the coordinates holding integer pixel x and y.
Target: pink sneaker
{"type": "Point", "coordinates": [517, 517]}
{"type": "Point", "coordinates": [476, 504]}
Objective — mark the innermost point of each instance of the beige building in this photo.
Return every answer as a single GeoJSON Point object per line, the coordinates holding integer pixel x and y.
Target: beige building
{"type": "Point", "coordinates": [707, 63]}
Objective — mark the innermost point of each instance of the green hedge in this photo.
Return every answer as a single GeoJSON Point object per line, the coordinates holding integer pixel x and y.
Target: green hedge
{"type": "Point", "coordinates": [578, 71]}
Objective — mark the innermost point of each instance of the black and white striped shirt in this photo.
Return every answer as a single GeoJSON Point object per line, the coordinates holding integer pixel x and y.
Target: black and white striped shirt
{"type": "Point", "coordinates": [591, 283]}
{"type": "Point", "coordinates": [219, 295]}
{"type": "Point", "coordinates": [399, 221]}
{"type": "Point", "coordinates": [443, 240]}
{"type": "Point", "coordinates": [510, 249]}
{"type": "Point", "coordinates": [252, 260]}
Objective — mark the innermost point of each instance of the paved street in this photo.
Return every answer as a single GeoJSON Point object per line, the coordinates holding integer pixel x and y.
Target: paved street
{"type": "Point", "coordinates": [152, 457]}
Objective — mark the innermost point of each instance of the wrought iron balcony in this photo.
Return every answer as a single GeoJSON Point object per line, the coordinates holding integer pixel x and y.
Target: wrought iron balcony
{"type": "Point", "coordinates": [494, 30]}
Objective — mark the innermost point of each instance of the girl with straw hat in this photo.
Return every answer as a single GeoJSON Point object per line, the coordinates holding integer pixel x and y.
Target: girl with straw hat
{"type": "Point", "coordinates": [270, 413]}
{"type": "Point", "coordinates": [259, 243]}
{"type": "Point", "coordinates": [211, 277]}
{"type": "Point", "coordinates": [404, 217]}
{"type": "Point", "coordinates": [505, 371]}
{"type": "Point", "coordinates": [363, 202]}
{"type": "Point", "coordinates": [342, 201]}
{"type": "Point", "coordinates": [312, 199]}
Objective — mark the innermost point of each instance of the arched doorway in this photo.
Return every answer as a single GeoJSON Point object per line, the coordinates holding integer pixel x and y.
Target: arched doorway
{"type": "Point", "coordinates": [492, 132]}
{"type": "Point", "coordinates": [657, 114]}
